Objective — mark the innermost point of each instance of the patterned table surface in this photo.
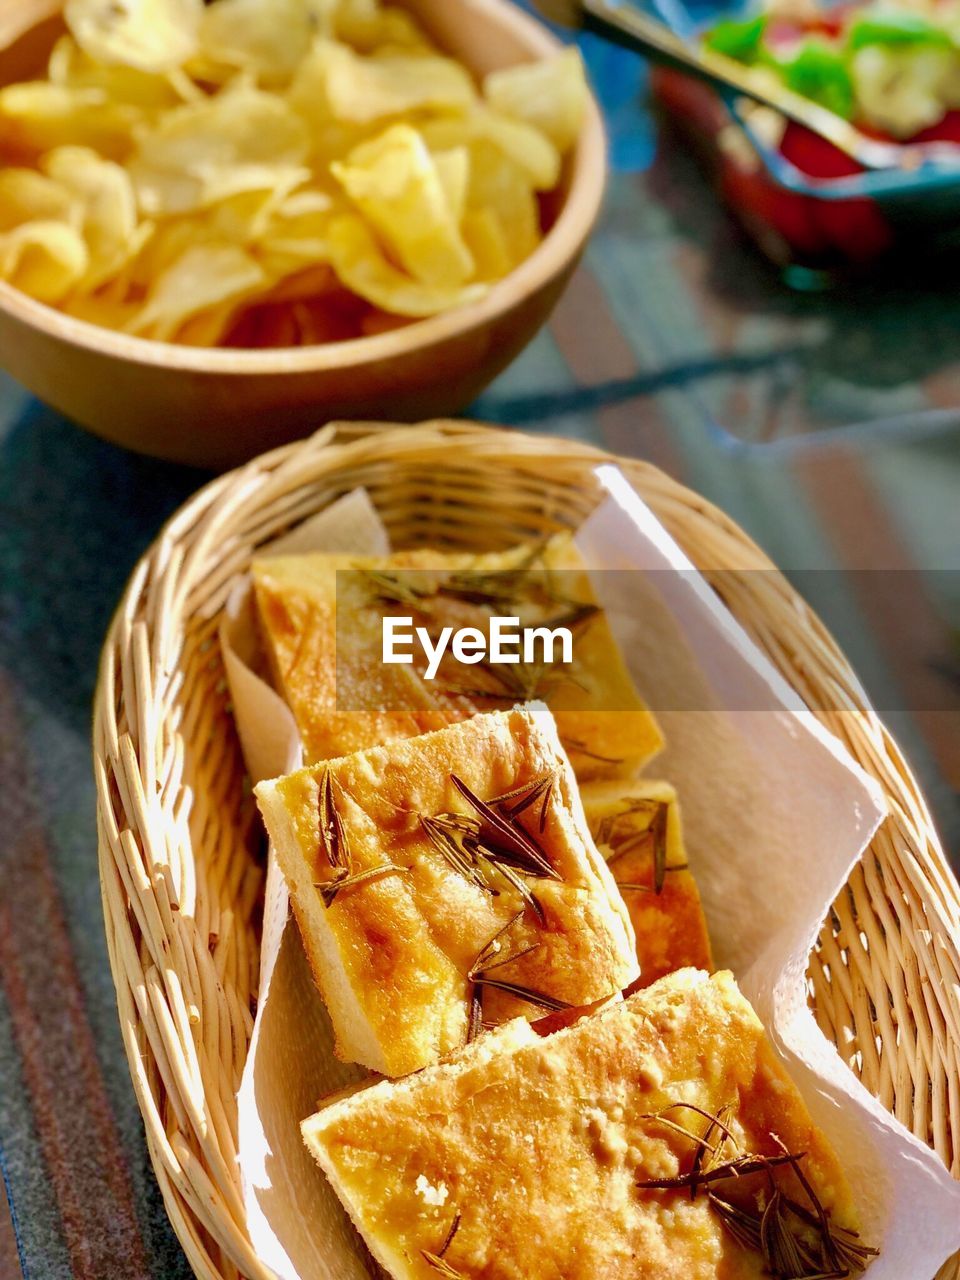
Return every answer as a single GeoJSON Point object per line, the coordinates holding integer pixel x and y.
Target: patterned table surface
{"type": "Point", "coordinates": [674, 344]}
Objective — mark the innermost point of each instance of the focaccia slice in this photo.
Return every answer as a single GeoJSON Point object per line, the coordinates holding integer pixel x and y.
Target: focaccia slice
{"type": "Point", "coordinates": [638, 830]}
{"type": "Point", "coordinates": [297, 603]}
{"type": "Point", "coordinates": [446, 883]}
{"type": "Point", "coordinates": [348, 700]}
{"type": "Point", "coordinates": [530, 1155]}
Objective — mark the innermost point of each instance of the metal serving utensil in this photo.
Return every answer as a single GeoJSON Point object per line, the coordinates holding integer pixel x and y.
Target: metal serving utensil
{"type": "Point", "coordinates": [625, 24]}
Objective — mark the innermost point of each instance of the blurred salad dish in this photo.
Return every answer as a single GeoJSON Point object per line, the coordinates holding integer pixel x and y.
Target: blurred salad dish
{"type": "Point", "coordinates": [894, 72]}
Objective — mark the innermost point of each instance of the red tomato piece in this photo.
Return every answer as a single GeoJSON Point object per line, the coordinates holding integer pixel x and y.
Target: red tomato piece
{"type": "Point", "coordinates": [855, 227]}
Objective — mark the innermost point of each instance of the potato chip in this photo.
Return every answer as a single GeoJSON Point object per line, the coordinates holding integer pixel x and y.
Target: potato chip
{"type": "Point", "coordinates": [150, 35]}
{"type": "Point", "coordinates": [109, 214]}
{"type": "Point", "coordinates": [266, 37]}
{"type": "Point", "coordinates": [271, 172]}
{"type": "Point", "coordinates": [43, 259]}
{"type": "Point", "coordinates": [525, 146]}
{"type": "Point", "coordinates": [369, 29]}
{"type": "Point", "coordinates": [394, 182]}
{"type": "Point", "coordinates": [255, 216]}
{"type": "Point", "coordinates": [309, 283]}
{"type": "Point", "coordinates": [487, 241]}
{"type": "Point", "coordinates": [203, 277]}
{"type": "Point", "coordinates": [292, 244]}
{"type": "Point", "coordinates": [242, 219]}
{"type": "Point", "coordinates": [502, 187]}
{"type": "Point", "coordinates": [70, 67]}
{"type": "Point", "coordinates": [101, 309]}
{"type": "Point", "coordinates": [338, 83]}
{"type": "Point", "coordinates": [244, 140]}
{"type": "Point", "coordinates": [296, 235]}
{"type": "Point", "coordinates": [37, 115]}
{"type": "Point", "coordinates": [550, 95]}
{"type": "Point", "coordinates": [453, 170]}
{"type": "Point", "coordinates": [167, 242]}
{"type": "Point", "coordinates": [362, 266]}
{"type": "Point", "coordinates": [209, 328]}
{"type": "Point", "coordinates": [333, 314]}
{"type": "Point", "coordinates": [28, 196]}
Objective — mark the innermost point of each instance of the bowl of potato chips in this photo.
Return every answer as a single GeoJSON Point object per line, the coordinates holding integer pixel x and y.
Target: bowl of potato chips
{"type": "Point", "coordinates": [223, 224]}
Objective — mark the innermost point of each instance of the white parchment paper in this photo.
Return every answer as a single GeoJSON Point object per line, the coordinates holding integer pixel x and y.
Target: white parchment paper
{"type": "Point", "coordinates": [775, 813]}
{"type": "Point", "coordinates": [296, 1222]}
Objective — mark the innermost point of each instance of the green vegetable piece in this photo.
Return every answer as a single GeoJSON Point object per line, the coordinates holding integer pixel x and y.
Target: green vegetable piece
{"type": "Point", "coordinates": [738, 38]}
{"type": "Point", "coordinates": [895, 27]}
{"type": "Point", "coordinates": [819, 72]}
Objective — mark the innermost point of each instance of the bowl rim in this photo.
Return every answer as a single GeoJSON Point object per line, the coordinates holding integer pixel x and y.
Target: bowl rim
{"type": "Point", "coordinates": [588, 173]}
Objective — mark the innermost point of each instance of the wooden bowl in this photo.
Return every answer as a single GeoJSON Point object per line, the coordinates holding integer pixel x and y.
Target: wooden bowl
{"type": "Point", "coordinates": [214, 408]}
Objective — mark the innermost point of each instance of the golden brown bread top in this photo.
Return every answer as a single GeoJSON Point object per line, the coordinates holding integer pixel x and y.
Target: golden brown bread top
{"type": "Point", "coordinates": [637, 827]}
{"type": "Point", "coordinates": [539, 1145]}
{"type": "Point", "coordinates": [297, 605]}
{"type": "Point", "coordinates": [348, 700]}
{"type": "Point", "coordinates": [405, 942]}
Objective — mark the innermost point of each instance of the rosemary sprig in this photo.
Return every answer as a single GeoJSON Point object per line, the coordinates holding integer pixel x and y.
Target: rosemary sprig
{"type": "Point", "coordinates": [470, 842]}
{"type": "Point", "coordinates": [575, 615]}
{"type": "Point", "coordinates": [441, 1266]}
{"type": "Point", "coordinates": [480, 976]}
{"type": "Point", "coordinates": [659, 828]}
{"type": "Point", "coordinates": [492, 946]}
{"type": "Point", "coordinates": [513, 803]}
{"type": "Point", "coordinates": [454, 1228]}
{"type": "Point", "coordinates": [492, 839]}
{"type": "Point", "coordinates": [438, 1260]}
{"type": "Point", "coordinates": [708, 1152]}
{"type": "Point", "coordinates": [497, 587]}
{"type": "Point", "coordinates": [527, 681]}
{"type": "Point", "coordinates": [742, 1224]}
{"type": "Point", "coordinates": [475, 1017]}
{"type": "Point", "coordinates": [524, 890]}
{"type": "Point", "coordinates": [489, 949]}
{"type": "Point", "coordinates": [701, 1159]}
{"type": "Point", "coordinates": [507, 839]}
{"type": "Point", "coordinates": [796, 1242]}
{"type": "Point", "coordinates": [394, 588]}
{"type": "Point", "coordinates": [528, 994]}
{"type": "Point", "coordinates": [655, 833]}
{"type": "Point", "coordinates": [582, 749]}
{"type": "Point", "coordinates": [822, 1220]}
{"type": "Point", "coordinates": [329, 889]}
{"type": "Point", "coordinates": [607, 831]}
{"type": "Point", "coordinates": [333, 837]}
{"type": "Point", "coordinates": [783, 1252]}
{"type": "Point", "coordinates": [739, 1167]}
{"type": "Point", "coordinates": [853, 1254]}
{"type": "Point", "coordinates": [448, 837]}
{"type": "Point", "coordinates": [519, 682]}
{"type": "Point", "coordinates": [336, 847]}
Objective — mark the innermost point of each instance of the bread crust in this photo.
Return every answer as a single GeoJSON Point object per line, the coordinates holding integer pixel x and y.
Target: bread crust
{"type": "Point", "coordinates": [539, 1143]}
{"type": "Point", "coordinates": [392, 955]}
{"type": "Point", "coordinates": [343, 703]}
{"type": "Point", "coordinates": [627, 822]}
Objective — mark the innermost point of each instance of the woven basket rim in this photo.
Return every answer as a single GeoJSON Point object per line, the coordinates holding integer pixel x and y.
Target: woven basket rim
{"type": "Point", "coordinates": [904, 879]}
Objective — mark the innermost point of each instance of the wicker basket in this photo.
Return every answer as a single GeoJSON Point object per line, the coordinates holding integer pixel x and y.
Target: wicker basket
{"type": "Point", "coordinates": [179, 866]}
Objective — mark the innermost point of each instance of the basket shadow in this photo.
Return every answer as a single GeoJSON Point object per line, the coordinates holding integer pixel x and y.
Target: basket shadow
{"type": "Point", "coordinates": [75, 515]}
